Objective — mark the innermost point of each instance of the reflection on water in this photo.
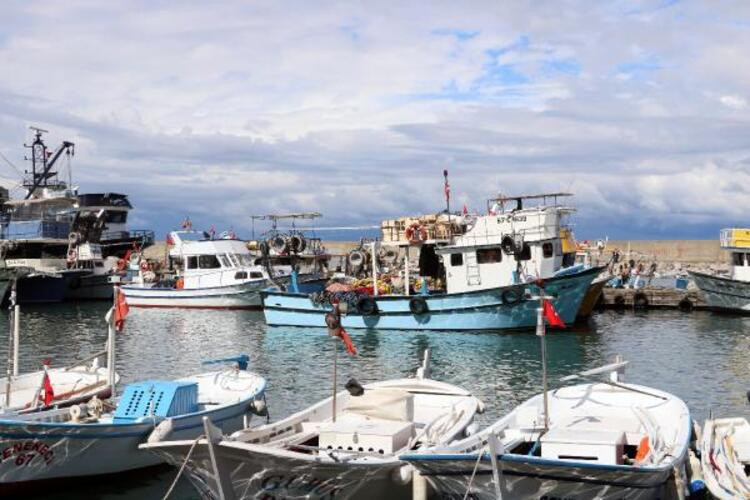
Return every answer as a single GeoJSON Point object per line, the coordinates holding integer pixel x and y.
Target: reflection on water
{"type": "Point", "coordinates": [700, 357]}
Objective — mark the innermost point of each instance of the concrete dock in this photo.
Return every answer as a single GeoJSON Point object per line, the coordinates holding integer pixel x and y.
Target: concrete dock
{"type": "Point", "coordinates": [652, 298]}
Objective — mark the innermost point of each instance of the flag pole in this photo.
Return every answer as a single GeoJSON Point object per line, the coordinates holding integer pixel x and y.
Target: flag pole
{"type": "Point", "coordinates": [11, 366]}
{"type": "Point", "coordinates": [541, 332]}
{"type": "Point", "coordinates": [446, 189]}
{"type": "Point", "coordinates": [111, 343]}
{"type": "Point", "coordinates": [335, 374]}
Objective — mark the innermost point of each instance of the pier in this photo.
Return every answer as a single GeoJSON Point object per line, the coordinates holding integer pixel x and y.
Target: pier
{"type": "Point", "coordinates": [652, 298]}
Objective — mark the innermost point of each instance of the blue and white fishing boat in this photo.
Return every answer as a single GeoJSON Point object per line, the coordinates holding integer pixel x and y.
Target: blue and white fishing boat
{"type": "Point", "coordinates": [206, 273]}
{"type": "Point", "coordinates": [490, 268]}
{"type": "Point", "coordinates": [95, 438]}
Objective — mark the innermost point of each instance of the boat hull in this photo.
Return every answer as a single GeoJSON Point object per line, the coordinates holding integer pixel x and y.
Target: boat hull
{"type": "Point", "coordinates": [40, 289]}
{"type": "Point", "coordinates": [31, 452]}
{"type": "Point", "coordinates": [530, 477]}
{"type": "Point", "coordinates": [256, 473]}
{"type": "Point", "coordinates": [481, 310]}
{"type": "Point", "coordinates": [723, 293]}
{"type": "Point", "coordinates": [89, 287]}
{"type": "Point", "coordinates": [242, 296]}
{"type": "Point", "coordinates": [592, 298]}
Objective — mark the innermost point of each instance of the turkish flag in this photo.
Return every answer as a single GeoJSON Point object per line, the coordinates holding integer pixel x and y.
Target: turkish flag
{"type": "Point", "coordinates": [551, 315]}
{"type": "Point", "coordinates": [344, 336]}
{"type": "Point", "coordinates": [121, 309]}
{"type": "Point", "coordinates": [49, 394]}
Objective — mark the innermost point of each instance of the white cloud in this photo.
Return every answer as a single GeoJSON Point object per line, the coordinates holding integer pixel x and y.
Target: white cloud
{"type": "Point", "coordinates": [733, 101]}
{"type": "Point", "coordinates": [234, 108]}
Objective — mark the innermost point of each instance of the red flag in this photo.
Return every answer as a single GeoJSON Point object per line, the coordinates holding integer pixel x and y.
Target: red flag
{"type": "Point", "coordinates": [465, 210]}
{"type": "Point", "coordinates": [344, 336]}
{"type": "Point", "coordinates": [121, 309]}
{"type": "Point", "coordinates": [551, 315]}
{"type": "Point", "coordinates": [48, 395]}
{"type": "Point", "coordinates": [170, 241]}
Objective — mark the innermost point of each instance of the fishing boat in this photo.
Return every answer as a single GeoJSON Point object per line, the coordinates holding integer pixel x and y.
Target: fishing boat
{"type": "Point", "coordinates": [729, 293]}
{"type": "Point", "coordinates": [49, 388]}
{"type": "Point", "coordinates": [489, 269]}
{"type": "Point", "coordinates": [202, 273]}
{"type": "Point", "coordinates": [94, 438]}
{"type": "Point", "coordinates": [345, 446]}
{"type": "Point", "coordinates": [725, 457]}
{"type": "Point", "coordinates": [292, 257]}
{"type": "Point", "coordinates": [116, 238]}
{"type": "Point", "coordinates": [49, 228]}
{"type": "Point", "coordinates": [592, 440]}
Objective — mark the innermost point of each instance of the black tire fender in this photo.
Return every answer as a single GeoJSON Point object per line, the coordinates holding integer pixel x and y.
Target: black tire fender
{"type": "Point", "coordinates": [640, 301]}
{"type": "Point", "coordinates": [619, 301]}
{"type": "Point", "coordinates": [511, 296]}
{"type": "Point", "coordinates": [418, 306]}
{"type": "Point", "coordinates": [367, 306]}
{"type": "Point", "coordinates": [685, 305]}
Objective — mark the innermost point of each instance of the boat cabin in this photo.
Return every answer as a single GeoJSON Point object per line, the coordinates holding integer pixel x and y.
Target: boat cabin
{"type": "Point", "coordinates": [204, 262]}
{"type": "Point", "coordinates": [513, 244]}
{"type": "Point", "coordinates": [737, 242]}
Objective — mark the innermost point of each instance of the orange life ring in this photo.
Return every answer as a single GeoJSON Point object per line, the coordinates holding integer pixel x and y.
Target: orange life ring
{"type": "Point", "coordinates": [121, 264]}
{"type": "Point", "coordinates": [145, 266]}
{"type": "Point", "coordinates": [416, 233]}
{"type": "Point", "coordinates": [180, 283]}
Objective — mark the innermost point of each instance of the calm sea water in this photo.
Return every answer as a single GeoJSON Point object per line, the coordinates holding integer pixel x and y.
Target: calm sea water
{"type": "Point", "coordinates": [701, 357]}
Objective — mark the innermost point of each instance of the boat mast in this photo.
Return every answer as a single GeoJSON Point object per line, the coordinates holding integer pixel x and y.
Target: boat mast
{"type": "Point", "coordinates": [42, 161]}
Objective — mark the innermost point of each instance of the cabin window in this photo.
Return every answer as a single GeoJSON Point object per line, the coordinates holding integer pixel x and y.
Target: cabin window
{"type": "Point", "coordinates": [208, 262]}
{"type": "Point", "coordinates": [547, 250]}
{"type": "Point", "coordinates": [240, 275]}
{"type": "Point", "coordinates": [191, 262]}
{"type": "Point", "coordinates": [256, 274]}
{"type": "Point", "coordinates": [525, 253]}
{"type": "Point", "coordinates": [489, 255]}
{"type": "Point", "coordinates": [737, 258]}
{"type": "Point", "coordinates": [116, 217]}
{"type": "Point", "coordinates": [224, 261]}
{"type": "Point", "coordinates": [457, 259]}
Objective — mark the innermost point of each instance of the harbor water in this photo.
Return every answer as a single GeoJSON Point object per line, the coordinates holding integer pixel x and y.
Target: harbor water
{"type": "Point", "coordinates": [701, 357]}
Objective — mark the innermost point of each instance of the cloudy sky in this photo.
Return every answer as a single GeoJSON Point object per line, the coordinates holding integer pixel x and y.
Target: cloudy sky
{"type": "Point", "coordinates": [223, 109]}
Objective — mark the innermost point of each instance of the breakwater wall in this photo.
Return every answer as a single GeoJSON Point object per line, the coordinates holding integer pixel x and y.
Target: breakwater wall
{"type": "Point", "coordinates": [662, 251]}
{"type": "Point", "coordinates": [684, 251]}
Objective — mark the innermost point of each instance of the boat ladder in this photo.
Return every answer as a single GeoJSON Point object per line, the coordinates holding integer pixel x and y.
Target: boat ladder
{"type": "Point", "coordinates": [473, 276]}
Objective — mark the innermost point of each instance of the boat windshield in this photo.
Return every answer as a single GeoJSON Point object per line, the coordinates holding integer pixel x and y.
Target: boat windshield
{"type": "Point", "coordinates": [243, 259]}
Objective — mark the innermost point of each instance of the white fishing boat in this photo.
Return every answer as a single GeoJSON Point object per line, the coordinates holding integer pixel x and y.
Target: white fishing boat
{"type": "Point", "coordinates": [597, 440]}
{"type": "Point", "coordinates": [342, 447]}
{"type": "Point", "coordinates": [95, 438]}
{"type": "Point", "coordinates": [207, 273]}
{"type": "Point", "coordinates": [725, 457]}
{"type": "Point", "coordinates": [730, 293]}
{"type": "Point", "coordinates": [53, 387]}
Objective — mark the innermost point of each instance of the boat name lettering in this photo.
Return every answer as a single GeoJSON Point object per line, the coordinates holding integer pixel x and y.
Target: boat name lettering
{"type": "Point", "coordinates": [509, 218]}
{"type": "Point", "coordinates": [282, 486]}
{"type": "Point", "coordinates": [24, 452]}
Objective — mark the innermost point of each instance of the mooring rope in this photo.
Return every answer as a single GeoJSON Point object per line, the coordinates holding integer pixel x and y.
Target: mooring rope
{"type": "Point", "coordinates": [473, 473]}
{"type": "Point", "coordinates": [182, 467]}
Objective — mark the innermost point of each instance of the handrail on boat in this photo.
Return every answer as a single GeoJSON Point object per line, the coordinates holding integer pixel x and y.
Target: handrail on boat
{"type": "Point", "coordinates": [83, 361]}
